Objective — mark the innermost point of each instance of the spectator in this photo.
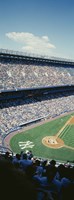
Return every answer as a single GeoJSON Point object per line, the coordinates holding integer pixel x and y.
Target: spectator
{"type": "Point", "coordinates": [24, 163]}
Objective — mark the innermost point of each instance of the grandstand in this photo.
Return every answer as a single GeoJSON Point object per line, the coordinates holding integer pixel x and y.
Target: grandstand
{"type": "Point", "coordinates": [30, 72]}
{"type": "Point", "coordinates": [33, 88]}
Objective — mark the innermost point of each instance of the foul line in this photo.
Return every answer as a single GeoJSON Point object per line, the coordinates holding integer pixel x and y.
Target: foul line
{"type": "Point", "coordinates": [66, 146]}
{"type": "Point", "coordinates": [57, 135]}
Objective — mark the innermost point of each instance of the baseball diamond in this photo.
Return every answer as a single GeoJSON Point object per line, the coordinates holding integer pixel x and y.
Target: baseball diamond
{"type": "Point", "coordinates": [56, 141]}
{"type": "Point", "coordinates": [49, 139]}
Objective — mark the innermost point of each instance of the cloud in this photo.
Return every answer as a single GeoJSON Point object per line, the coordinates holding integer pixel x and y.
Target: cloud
{"type": "Point", "coordinates": [31, 43]}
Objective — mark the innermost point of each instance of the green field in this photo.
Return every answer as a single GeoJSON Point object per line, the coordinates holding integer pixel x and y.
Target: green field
{"type": "Point", "coordinates": [32, 140]}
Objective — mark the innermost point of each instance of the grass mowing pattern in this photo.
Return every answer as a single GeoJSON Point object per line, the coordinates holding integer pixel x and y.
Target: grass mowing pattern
{"type": "Point", "coordinates": [36, 134]}
{"type": "Point", "coordinates": [68, 136]}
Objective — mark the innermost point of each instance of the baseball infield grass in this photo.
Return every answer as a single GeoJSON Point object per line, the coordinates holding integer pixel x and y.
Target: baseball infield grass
{"type": "Point", "coordinates": [32, 140]}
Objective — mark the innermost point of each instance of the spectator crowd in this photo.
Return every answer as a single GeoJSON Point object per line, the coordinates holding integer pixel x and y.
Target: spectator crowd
{"type": "Point", "coordinates": [24, 175]}
{"type": "Point", "coordinates": [20, 111]}
{"type": "Point", "coordinates": [19, 75]}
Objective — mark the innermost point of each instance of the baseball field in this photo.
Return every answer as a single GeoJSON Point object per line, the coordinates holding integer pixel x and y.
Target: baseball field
{"type": "Point", "coordinates": [52, 139]}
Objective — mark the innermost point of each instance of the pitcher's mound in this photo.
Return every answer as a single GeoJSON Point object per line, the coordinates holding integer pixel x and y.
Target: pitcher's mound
{"type": "Point", "coordinates": [53, 142]}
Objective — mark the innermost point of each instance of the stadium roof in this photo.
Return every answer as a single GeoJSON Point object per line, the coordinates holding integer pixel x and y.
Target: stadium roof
{"type": "Point", "coordinates": [19, 53]}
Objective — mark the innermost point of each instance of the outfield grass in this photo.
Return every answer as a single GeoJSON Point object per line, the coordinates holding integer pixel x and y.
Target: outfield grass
{"type": "Point", "coordinates": [68, 136]}
{"type": "Point", "coordinates": [35, 135]}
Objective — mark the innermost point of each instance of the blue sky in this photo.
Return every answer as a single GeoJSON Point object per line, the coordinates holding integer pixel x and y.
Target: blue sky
{"type": "Point", "coordinates": [44, 27]}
